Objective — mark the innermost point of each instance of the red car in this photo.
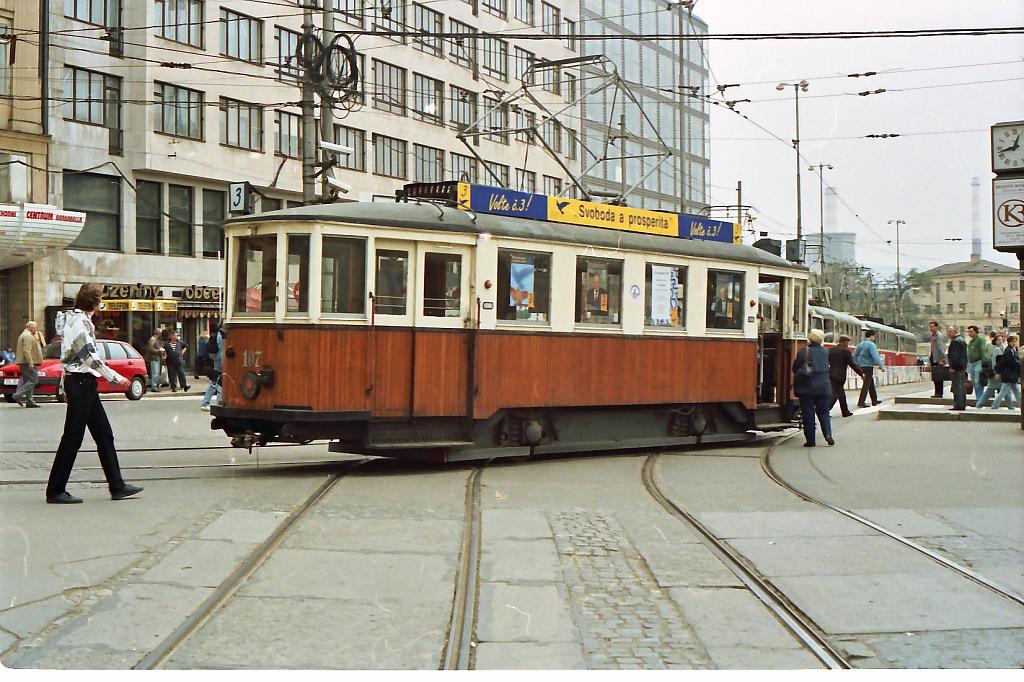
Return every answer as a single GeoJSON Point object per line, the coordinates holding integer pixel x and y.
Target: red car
{"type": "Point", "coordinates": [120, 356]}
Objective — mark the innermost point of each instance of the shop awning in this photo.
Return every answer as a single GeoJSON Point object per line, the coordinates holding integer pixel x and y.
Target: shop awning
{"type": "Point", "coordinates": [31, 232]}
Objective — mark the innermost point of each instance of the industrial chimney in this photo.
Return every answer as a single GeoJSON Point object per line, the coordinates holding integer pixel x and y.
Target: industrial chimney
{"type": "Point", "coordinates": [975, 220]}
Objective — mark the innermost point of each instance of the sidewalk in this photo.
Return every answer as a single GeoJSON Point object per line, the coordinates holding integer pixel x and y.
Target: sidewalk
{"type": "Point", "coordinates": [923, 407]}
{"type": "Point", "coordinates": [197, 387]}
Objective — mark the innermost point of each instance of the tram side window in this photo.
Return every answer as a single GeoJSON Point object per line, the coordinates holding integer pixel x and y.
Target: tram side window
{"type": "Point", "coordinates": [391, 287]}
{"type": "Point", "coordinates": [598, 291]}
{"type": "Point", "coordinates": [298, 273]}
{"type": "Point", "coordinates": [442, 284]}
{"type": "Point", "coordinates": [524, 286]}
{"type": "Point", "coordinates": [256, 276]}
{"type": "Point", "coordinates": [799, 308]}
{"type": "Point", "coordinates": [725, 300]}
{"type": "Point", "coordinates": [665, 302]}
{"type": "Point", "coordinates": [343, 275]}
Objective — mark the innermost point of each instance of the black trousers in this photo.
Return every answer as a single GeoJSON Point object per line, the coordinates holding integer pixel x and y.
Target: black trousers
{"type": "Point", "coordinates": [176, 376]}
{"type": "Point", "coordinates": [84, 410]}
{"type": "Point", "coordinates": [839, 393]}
{"type": "Point", "coordinates": [957, 385]}
{"type": "Point", "coordinates": [938, 384]}
{"type": "Point", "coordinates": [868, 387]}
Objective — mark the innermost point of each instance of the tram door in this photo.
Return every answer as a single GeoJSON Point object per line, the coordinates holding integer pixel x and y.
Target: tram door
{"type": "Point", "coordinates": [770, 356]}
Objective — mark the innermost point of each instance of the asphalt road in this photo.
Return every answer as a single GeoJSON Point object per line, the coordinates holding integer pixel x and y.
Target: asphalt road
{"type": "Point", "coordinates": [579, 567]}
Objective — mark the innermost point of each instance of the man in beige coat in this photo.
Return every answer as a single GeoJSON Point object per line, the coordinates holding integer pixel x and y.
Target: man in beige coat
{"type": "Point", "coordinates": [28, 355]}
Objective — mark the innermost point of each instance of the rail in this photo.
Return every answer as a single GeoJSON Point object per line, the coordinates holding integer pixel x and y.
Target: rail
{"type": "Point", "coordinates": [459, 643]}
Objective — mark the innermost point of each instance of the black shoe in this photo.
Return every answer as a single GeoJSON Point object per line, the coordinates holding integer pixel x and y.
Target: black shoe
{"type": "Point", "coordinates": [936, 396]}
{"type": "Point", "coordinates": [957, 409]}
{"type": "Point", "coordinates": [187, 388]}
{"type": "Point", "coordinates": [31, 403]}
{"type": "Point", "coordinates": [64, 498]}
{"type": "Point", "coordinates": [127, 490]}
{"type": "Point", "coordinates": [829, 440]}
{"type": "Point", "coordinates": [878, 403]}
{"type": "Point", "coordinates": [847, 414]}
{"type": "Point", "coordinates": [861, 405]}
{"type": "Point", "coordinates": [808, 445]}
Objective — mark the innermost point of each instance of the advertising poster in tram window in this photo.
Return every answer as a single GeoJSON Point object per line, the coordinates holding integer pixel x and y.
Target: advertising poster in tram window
{"type": "Point", "coordinates": [521, 286]}
{"type": "Point", "coordinates": [664, 296]}
{"type": "Point", "coordinates": [597, 291]}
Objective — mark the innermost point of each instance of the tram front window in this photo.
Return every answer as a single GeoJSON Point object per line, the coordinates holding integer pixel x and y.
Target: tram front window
{"type": "Point", "coordinates": [298, 273]}
{"type": "Point", "coordinates": [256, 275]}
{"type": "Point", "coordinates": [442, 281]}
{"type": "Point", "coordinates": [725, 300]}
{"type": "Point", "coordinates": [343, 276]}
{"type": "Point", "coordinates": [391, 289]}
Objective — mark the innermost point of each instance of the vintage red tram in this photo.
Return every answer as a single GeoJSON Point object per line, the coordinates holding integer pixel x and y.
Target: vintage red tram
{"type": "Point", "coordinates": [447, 334]}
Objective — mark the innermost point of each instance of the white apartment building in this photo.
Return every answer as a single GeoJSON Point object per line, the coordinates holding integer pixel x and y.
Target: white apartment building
{"type": "Point", "coordinates": [157, 105]}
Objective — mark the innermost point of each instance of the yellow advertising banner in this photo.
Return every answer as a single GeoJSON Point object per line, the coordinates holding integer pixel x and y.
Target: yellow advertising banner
{"type": "Point", "coordinates": [577, 212]}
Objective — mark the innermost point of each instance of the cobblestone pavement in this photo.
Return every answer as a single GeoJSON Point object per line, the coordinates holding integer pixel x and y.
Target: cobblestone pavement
{"type": "Point", "coordinates": [625, 620]}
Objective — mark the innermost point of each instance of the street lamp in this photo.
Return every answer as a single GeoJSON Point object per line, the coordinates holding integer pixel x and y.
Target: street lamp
{"type": "Point", "coordinates": [898, 221]}
{"type": "Point", "coordinates": [821, 208]}
{"type": "Point", "coordinates": [797, 89]}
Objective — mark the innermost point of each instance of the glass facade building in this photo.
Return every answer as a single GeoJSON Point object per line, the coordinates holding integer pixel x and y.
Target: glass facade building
{"type": "Point", "coordinates": [656, 73]}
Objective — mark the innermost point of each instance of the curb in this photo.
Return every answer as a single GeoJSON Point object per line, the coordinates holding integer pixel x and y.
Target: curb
{"type": "Point", "coordinates": [950, 416]}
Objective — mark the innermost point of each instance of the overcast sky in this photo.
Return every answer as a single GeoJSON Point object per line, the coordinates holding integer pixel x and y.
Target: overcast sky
{"type": "Point", "coordinates": [923, 179]}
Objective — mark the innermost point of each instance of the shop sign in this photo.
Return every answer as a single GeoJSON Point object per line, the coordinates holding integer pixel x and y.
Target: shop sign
{"type": "Point", "coordinates": [198, 293]}
{"type": "Point", "coordinates": [131, 291]}
{"type": "Point", "coordinates": [1008, 214]}
{"type": "Point", "coordinates": [166, 306]}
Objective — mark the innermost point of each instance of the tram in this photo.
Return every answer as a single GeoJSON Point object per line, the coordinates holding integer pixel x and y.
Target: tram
{"type": "Point", "coordinates": [427, 328]}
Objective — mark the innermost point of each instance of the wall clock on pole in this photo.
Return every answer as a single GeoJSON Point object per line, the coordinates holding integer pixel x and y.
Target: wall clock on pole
{"type": "Point", "coordinates": [1008, 147]}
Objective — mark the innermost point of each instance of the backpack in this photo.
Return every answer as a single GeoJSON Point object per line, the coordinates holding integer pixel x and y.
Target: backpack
{"type": "Point", "coordinates": [212, 347]}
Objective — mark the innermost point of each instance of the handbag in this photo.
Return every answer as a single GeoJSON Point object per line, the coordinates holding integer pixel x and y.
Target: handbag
{"type": "Point", "coordinates": [940, 373]}
{"type": "Point", "coordinates": [805, 371]}
{"type": "Point", "coordinates": [968, 386]}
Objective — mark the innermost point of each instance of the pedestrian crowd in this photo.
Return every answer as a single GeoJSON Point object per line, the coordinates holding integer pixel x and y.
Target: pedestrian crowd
{"type": "Point", "coordinates": [987, 366]}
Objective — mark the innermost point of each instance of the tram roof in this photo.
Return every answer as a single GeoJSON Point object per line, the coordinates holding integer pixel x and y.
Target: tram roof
{"type": "Point", "coordinates": [433, 216]}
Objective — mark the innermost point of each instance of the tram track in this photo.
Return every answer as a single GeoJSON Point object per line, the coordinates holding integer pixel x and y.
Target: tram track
{"type": "Point", "coordinates": [458, 649]}
{"type": "Point", "coordinates": [798, 623]}
{"type": "Point", "coordinates": [229, 587]}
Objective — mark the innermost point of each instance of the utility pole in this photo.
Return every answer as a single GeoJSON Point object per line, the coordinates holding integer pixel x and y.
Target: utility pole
{"type": "Point", "coordinates": [326, 113]}
{"type": "Point", "coordinates": [622, 161]}
{"type": "Point", "coordinates": [797, 88]}
{"type": "Point", "coordinates": [899, 286]}
{"type": "Point", "coordinates": [821, 210]}
{"type": "Point", "coordinates": [739, 202]}
{"type": "Point", "coordinates": [308, 121]}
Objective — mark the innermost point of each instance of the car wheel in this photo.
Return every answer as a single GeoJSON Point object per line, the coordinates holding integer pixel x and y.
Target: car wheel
{"type": "Point", "coordinates": [58, 394]}
{"type": "Point", "coordinates": [9, 397]}
{"type": "Point", "coordinates": [136, 389]}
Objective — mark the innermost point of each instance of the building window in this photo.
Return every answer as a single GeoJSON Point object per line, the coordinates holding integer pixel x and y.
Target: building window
{"type": "Point", "coordinates": [241, 37]}
{"type": "Point", "coordinates": [463, 107]}
{"type": "Point", "coordinates": [962, 308]}
{"type": "Point", "coordinates": [350, 11]}
{"type": "Point", "coordinates": [521, 61]}
{"type": "Point", "coordinates": [570, 35]}
{"type": "Point", "coordinates": [391, 288]}
{"type": "Point", "coordinates": [949, 307]}
{"type": "Point", "coordinates": [343, 276]}
{"type": "Point", "coordinates": [428, 99]}
{"type": "Point", "coordinates": [551, 133]}
{"type": "Point", "coordinates": [495, 58]}
{"type": "Point", "coordinates": [287, 139]}
{"type": "Point", "coordinates": [524, 286]}
{"type": "Point", "coordinates": [288, 68]}
{"type": "Point", "coordinates": [241, 124]}
{"type": "Point", "coordinates": [664, 303]}
{"type": "Point", "coordinates": [148, 216]}
{"type": "Point", "coordinates": [551, 19]}
{"type": "Point", "coordinates": [552, 186]}
{"type": "Point", "coordinates": [388, 87]}
{"type": "Point", "coordinates": [442, 284]}
{"type": "Point", "coordinates": [179, 220]}
{"type": "Point", "coordinates": [429, 163]}
{"type": "Point", "coordinates": [356, 139]}
{"type": "Point", "coordinates": [986, 285]}
{"type": "Point", "coordinates": [389, 157]}
{"type": "Point", "coordinates": [181, 111]}
{"type": "Point", "coordinates": [96, 12]}
{"type": "Point", "coordinates": [963, 285]}
{"type": "Point", "coordinates": [570, 86]}
{"type": "Point", "coordinates": [270, 204]}
{"type": "Point", "coordinates": [498, 173]}
{"type": "Point", "coordinates": [550, 78]}
{"type": "Point", "coordinates": [1014, 307]}
{"type": "Point", "coordinates": [524, 11]}
{"type": "Point", "coordinates": [1013, 285]}
{"type": "Point", "coordinates": [949, 285]}
{"type": "Point", "coordinates": [464, 168]}
{"type": "Point", "coordinates": [389, 18]}
{"type": "Point", "coordinates": [571, 144]}
{"type": "Point", "coordinates": [525, 122]}
{"type": "Point", "coordinates": [92, 97]}
{"type": "Point", "coordinates": [598, 291]}
{"type": "Point", "coordinates": [297, 274]}
{"type": "Point", "coordinates": [256, 275]}
{"type": "Point", "coordinates": [497, 119]}
{"type": "Point", "coordinates": [988, 309]}
{"type": "Point", "coordinates": [498, 8]}
{"type": "Point", "coordinates": [725, 300]}
{"type": "Point", "coordinates": [5, 58]}
{"type": "Point", "coordinates": [214, 213]}
{"type": "Point", "coordinates": [180, 20]}
{"type": "Point", "coordinates": [431, 23]}
{"type": "Point", "coordinates": [462, 50]}
{"type": "Point", "coordinates": [526, 181]}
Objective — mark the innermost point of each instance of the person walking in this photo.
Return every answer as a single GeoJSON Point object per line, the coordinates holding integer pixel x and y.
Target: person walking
{"type": "Point", "coordinates": [977, 353]}
{"type": "Point", "coordinates": [215, 351]}
{"type": "Point", "coordinates": [28, 356]}
{"type": "Point", "coordinates": [1009, 372]}
{"type": "Point", "coordinates": [154, 353]}
{"type": "Point", "coordinates": [867, 358]}
{"type": "Point", "coordinates": [839, 359]}
{"type": "Point", "coordinates": [937, 358]}
{"type": "Point", "coordinates": [994, 382]}
{"type": "Point", "coordinates": [811, 386]}
{"type": "Point", "coordinates": [82, 366]}
{"type": "Point", "coordinates": [176, 350]}
{"type": "Point", "coordinates": [201, 366]}
{"type": "Point", "coordinates": [957, 354]}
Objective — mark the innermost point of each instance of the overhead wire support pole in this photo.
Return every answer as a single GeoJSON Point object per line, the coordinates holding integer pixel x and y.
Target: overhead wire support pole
{"type": "Point", "coordinates": [821, 215]}
{"type": "Point", "coordinates": [797, 87]}
{"type": "Point", "coordinates": [326, 111]}
{"type": "Point", "coordinates": [308, 118]}
{"type": "Point", "coordinates": [899, 280]}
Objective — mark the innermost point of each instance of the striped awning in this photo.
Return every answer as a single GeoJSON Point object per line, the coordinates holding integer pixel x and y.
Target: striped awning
{"type": "Point", "coordinates": [31, 232]}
